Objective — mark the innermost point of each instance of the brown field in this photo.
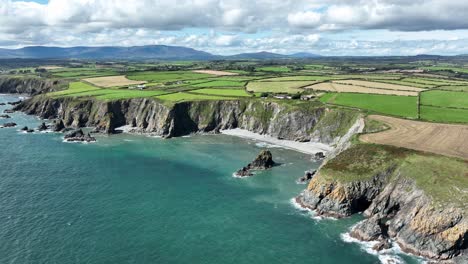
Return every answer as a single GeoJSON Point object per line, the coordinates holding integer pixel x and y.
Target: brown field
{"type": "Point", "coordinates": [345, 88]}
{"type": "Point", "coordinates": [379, 85]}
{"type": "Point", "coordinates": [50, 67]}
{"type": "Point", "coordinates": [112, 81]}
{"type": "Point", "coordinates": [449, 140]}
{"type": "Point", "coordinates": [217, 73]}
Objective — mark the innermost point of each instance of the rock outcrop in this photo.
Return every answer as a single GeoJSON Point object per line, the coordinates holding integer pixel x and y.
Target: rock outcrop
{"type": "Point", "coordinates": [307, 177]}
{"type": "Point", "coordinates": [396, 208]}
{"type": "Point", "coordinates": [11, 124]}
{"type": "Point", "coordinates": [5, 116]}
{"type": "Point", "coordinates": [263, 161]}
{"type": "Point", "coordinates": [78, 136]}
{"type": "Point", "coordinates": [58, 125]}
{"type": "Point", "coordinates": [29, 85]}
{"type": "Point", "coordinates": [42, 127]}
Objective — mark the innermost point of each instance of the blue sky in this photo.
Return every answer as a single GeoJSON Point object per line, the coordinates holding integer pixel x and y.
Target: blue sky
{"type": "Point", "coordinates": [327, 27]}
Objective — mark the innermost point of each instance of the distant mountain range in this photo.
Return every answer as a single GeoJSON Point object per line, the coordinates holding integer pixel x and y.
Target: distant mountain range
{"type": "Point", "coordinates": [158, 52]}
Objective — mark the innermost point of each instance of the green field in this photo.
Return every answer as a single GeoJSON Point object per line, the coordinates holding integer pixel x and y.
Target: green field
{"type": "Point", "coordinates": [180, 97]}
{"type": "Point", "coordinates": [445, 99]}
{"type": "Point", "coordinates": [83, 73]}
{"type": "Point", "coordinates": [278, 87]}
{"type": "Point", "coordinates": [220, 83]}
{"type": "Point", "coordinates": [79, 89]}
{"type": "Point", "coordinates": [404, 106]}
{"type": "Point", "coordinates": [300, 78]}
{"type": "Point", "coordinates": [274, 69]}
{"type": "Point", "coordinates": [223, 92]}
{"type": "Point", "coordinates": [444, 115]}
{"type": "Point", "coordinates": [163, 77]}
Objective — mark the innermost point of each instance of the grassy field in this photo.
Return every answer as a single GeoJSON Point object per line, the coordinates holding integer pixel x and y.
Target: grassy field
{"type": "Point", "coordinates": [445, 99]}
{"type": "Point", "coordinates": [404, 106]}
{"type": "Point", "coordinates": [223, 92]}
{"type": "Point", "coordinates": [274, 69]}
{"type": "Point", "coordinates": [438, 114]}
{"type": "Point", "coordinates": [82, 90]}
{"type": "Point", "coordinates": [278, 87]}
{"type": "Point", "coordinates": [162, 77]}
{"type": "Point", "coordinates": [181, 97]}
{"type": "Point", "coordinates": [112, 81]}
{"type": "Point", "coordinates": [220, 83]}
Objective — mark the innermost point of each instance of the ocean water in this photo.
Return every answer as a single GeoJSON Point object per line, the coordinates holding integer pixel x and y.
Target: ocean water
{"type": "Point", "coordinates": [136, 199]}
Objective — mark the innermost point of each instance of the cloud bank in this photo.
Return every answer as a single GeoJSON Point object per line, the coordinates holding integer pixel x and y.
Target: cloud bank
{"type": "Point", "coordinates": [225, 26]}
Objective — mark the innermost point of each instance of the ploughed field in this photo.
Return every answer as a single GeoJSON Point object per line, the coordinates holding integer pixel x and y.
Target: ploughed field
{"type": "Point", "coordinates": [445, 139]}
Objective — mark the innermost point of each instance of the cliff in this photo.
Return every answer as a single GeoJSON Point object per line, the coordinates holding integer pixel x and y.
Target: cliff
{"type": "Point", "coordinates": [415, 200]}
{"type": "Point", "coordinates": [29, 85]}
{"type": "Point", "coordinates": [293, 121]}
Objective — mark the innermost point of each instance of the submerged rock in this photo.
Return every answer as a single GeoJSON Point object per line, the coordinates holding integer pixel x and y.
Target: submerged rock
{"type": "Point", "coordinates": [9, 124]}
{"type": "Point", "coordinates": [307, 177]}
{"type": "Point", "coordinates": [8, 111]}
{"type": "Point", "coordinates": [58, 125]}
{"type": "Point", "coordinates": [5, 116]}
{"type": "Point", "coordinates": [25, 128]}
{"type": "Point", "coordinates": [79, 136]}
{"type": "Point", "coordinates": [263, 161]}
{"type": "Point", "coordinates": [2, 104]}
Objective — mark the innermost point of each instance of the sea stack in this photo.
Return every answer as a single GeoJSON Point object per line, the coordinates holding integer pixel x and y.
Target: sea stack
{"type": "Point", "coordinates": [263, 161]}
{"type": "Point", "coordinates": [79, 136]}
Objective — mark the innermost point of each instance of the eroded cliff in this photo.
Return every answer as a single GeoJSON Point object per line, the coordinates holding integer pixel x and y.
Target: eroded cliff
{"type": "Point", "coordinates": [293, 121]}
{"type": "Point", "coordinates": [416, 200]}
{"type": "Point", "coordinates": [29, 85]}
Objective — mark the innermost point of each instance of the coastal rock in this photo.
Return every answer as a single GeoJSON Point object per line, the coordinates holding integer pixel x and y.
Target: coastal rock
{"type": "Point", "coordinates": [319, 156]}
{"type": "Point", "coordinates": [9, 125]}
{"type": "Point", "coordinates": [24, 128]}
{"type": "Point", "coordinates": [58, 125]}
{"type": "Point", "coordinates": [29, 85]}
{"type": "Point", "coordinates": [42, 127]}
{"type": "Point", "coordinates": [307, 177]}
{"type": "Point", "coordinates": [15, 102]}
{"type": "Point", "coordinates": [8, 111]}
{"type": "Point", "coordinates": [263, 161]}
{"type": "Point", "coordinates": [153, 117]}
{"type": "Point", "coordinates": [78, 136]}
{"type": "Point", "coordinates": [2, 104]}
{"type": "Point", "coordinates": [5, 116]}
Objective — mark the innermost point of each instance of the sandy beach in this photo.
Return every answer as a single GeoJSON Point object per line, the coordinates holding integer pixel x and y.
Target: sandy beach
{"type": "Point", "coordinates": [304, 147]}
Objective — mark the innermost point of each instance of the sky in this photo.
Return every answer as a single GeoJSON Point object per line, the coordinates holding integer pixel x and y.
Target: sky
{"type": "Point", "coordinates": [325, 27]}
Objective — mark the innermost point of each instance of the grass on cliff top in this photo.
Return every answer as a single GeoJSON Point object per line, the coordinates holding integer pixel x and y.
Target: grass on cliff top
{"type": "Point", "coordinates": [84, 90]}
{"type": "Point", "coordinates": [223, 92]}
{"type": "Point", "coordinates": [442, 178]}
{"type": "Point", "coordinates": [405, 106]}
{"type": "Point", "coordinates": [362, 162]}
{"type": "Point", "coordinates": [336, 122]}
{"type": "Point", "coordinates": [181, 97]}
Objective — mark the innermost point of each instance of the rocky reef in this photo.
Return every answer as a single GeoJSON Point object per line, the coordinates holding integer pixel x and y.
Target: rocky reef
{"type": "Point", "coordinates": [263, 161]}
{"type": "Point", "coordinates": [399, 203]}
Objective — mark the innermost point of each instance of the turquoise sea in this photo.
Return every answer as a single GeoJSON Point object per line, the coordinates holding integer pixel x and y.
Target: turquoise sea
{"type": "Point", "coordinates": [136, 199]}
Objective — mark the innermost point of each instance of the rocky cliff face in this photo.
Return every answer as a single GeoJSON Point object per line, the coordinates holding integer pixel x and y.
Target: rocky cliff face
{"type": "Point", "coordinates": [28, 85]}
{"type": "Point", "coordinates": [397, 209]}
{"type": "Point", "coordinates": [151, 116]}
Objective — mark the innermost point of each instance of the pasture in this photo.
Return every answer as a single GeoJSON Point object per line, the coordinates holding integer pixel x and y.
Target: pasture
{"type": "Point", "coordinates": [112, 81]}
{"type": "Point", "coordinates": [404, 106]}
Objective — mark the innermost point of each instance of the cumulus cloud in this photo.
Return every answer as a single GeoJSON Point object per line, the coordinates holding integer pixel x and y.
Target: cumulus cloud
{"type": "Point", "coordinates": [242, 25]}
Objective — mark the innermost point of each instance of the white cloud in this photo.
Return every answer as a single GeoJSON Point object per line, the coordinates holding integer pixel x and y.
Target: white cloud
{"type": "Point", "coordinates": [242, 25]}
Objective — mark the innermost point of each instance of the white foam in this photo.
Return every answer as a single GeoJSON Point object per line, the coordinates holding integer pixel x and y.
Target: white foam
{"type": "Point", "coordinates": [386, 256]}
{"type": "Point", "coordinates": [304, 147]}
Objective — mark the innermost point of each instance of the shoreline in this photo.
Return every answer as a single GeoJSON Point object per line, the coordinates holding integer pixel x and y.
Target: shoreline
{"type": "Point", "coordinates": [304, 147]}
